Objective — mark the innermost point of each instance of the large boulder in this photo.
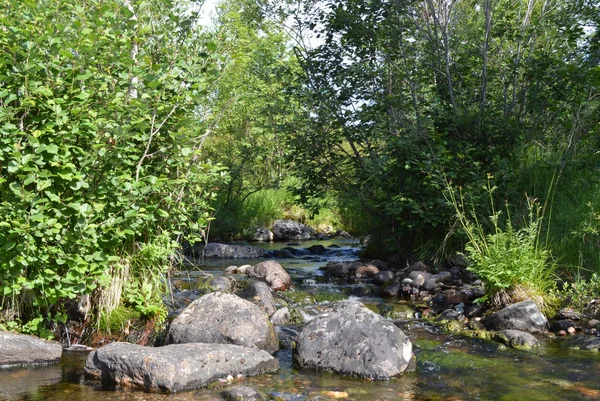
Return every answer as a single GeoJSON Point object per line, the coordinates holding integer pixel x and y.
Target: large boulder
{"type": "Point", "coordinates": [352, 340]}
{"type": "Point", "coordinates": [20, 350]}
{"type": "Point", "coordinates": [523, 316]}
{"type": "Point", "coordinates": [220, 318]}
{"type": "Point", "coordinates": [272, 273]}
{"type": "Point", "coordinates": [215, 250]}
{"type": "Point", "coordinates": [175, 367]}
{"type": "Point", "coordinates": [286, 230]}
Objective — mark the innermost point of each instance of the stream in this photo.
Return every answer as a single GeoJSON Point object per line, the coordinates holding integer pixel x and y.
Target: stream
{"type": "Point", "coordinates": [449, 367]}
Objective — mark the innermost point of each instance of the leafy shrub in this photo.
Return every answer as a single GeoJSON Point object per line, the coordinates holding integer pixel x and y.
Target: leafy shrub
{"type": "Point", "coordinates": [98, 151]}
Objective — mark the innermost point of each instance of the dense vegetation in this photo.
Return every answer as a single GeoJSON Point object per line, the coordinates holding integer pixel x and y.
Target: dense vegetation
{"type": "Point", "coordinates": [434, 127]}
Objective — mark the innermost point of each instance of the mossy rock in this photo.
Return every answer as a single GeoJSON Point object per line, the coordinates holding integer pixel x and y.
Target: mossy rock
{"type": "Point", "coordinates": [302, 298]}
{"type": "Point", "coordinates": [397, 311]}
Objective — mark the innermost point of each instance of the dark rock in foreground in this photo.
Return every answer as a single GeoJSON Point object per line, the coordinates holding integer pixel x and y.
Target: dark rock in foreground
{"type": "Point", "coordinates": [524, 316]}
{"type": "Point", "coordinates": [225, 251]}
{"type": "Point", "coordinates": [20, 350]}
{"type": "Point", "coordinates": [354, 341]}
{"type": "Point", "coordinates": [223, 319]}
{"type": "Point", "coordinates": [177, 367]}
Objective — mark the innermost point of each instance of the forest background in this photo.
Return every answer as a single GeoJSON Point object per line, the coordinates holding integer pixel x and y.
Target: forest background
{"type": "Point", "coordinates": [430, 127]}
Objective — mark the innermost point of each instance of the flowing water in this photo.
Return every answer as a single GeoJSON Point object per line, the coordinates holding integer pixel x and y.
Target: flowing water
{"type": "Point", "coordinates": [449, 367]}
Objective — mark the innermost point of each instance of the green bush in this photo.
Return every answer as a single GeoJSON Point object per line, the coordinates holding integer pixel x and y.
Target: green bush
{"type": "Point", "coordinates": [98, 148]}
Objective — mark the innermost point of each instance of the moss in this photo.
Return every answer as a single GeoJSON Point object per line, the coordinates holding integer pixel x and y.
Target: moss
{"type": "Point", "coordinates": [302, 298]}
{"type": "Point", "coordinates": [119, 320]}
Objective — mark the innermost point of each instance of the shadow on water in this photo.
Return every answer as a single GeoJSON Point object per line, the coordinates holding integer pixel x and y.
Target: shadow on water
{"type": "Point", "coordinates": [449, 367]}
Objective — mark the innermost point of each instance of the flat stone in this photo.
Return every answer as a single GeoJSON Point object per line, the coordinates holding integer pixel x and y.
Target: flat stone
{"type": "Point", "coordinates": [21, 350]}
{"type": "Point", "coordinates": [517, 339]}
{"type": "Point", "coordinates": [176, 367]}
{"type": "Point", "coordinates": [225, 251]}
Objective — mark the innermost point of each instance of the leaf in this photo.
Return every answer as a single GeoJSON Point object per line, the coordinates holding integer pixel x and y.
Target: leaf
{"type": "Point", "coordinates": [52, 149]}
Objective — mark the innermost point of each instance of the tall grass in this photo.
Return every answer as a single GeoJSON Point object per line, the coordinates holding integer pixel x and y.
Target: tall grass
{"type": "Point", "coordinates": [509, 258]}
{"type": "Point", "coordinates": [261, 208]}
{"type": "Point", "coordinates": [572, 226]}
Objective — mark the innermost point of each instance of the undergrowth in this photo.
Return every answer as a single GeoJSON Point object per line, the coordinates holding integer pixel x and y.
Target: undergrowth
{"type": "Point", "coordinates": [511, 261]}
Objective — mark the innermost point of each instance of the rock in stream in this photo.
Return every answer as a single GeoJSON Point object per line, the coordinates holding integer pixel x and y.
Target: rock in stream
{"type": "Point", "coordinates": [354, 341]}
{"type": "Point", "coordinates": [176, 367]}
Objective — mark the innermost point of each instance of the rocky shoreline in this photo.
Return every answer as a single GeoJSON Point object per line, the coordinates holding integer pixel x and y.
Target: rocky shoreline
{"type": "Point", "coordinates": [229, 330]}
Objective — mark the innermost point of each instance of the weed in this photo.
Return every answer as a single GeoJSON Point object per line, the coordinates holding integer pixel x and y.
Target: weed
{"type": "Point", "coordinates": [511, 261]}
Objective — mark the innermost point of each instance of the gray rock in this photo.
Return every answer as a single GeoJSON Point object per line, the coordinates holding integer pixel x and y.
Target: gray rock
{"type": "Point", "coordinates": [259, 294]}
{"type": "Point", "coordinates": [383, 277]}
{"type": "Point", "coordinates": [419, 277]}
{"type": "Point", "coordinates": [352, 340]}
{"type": "Point", "coordinates": [317, 249]}
{"type": "Point", "coordinates": [220, 318]}
{"type": "Point", "coordinates": [593, 323]}
{"type": "Point", "coordinates": [221, 283]}
{"type": "Point", "coordinates": [582, 342]}
{"type": "Point", "coordinates": [517, 339]}
{"type": "Point", "coordinates": [429, 284]}
{"type": "Point", "coordinates": [419, 266]}
{"type": "Point", "coordinates": [224, 251]}
{"type": "Point", "coordinates": [340, 269]}
{"type": "Point", "coordinates": [524, 316]}
{"type": "Point", "coordinates": [341, 234]}
{"type": "Point", "coordinates": [263, 234]}
{"type": "Point", "coordinates": [21, 350]}
{"type": "Point", "coordinates": [175, 367]}
{"type": "Point", "coordinates": [442, 277]}
{"type": "Point", "coordinates": [243, 393]}
{"type": "Point", "coordinates": [392, 289]}
{"type": "Point", "coordinates": [272, 273]}
{"type": "Point", "coordinates": [286, 230]}
{"type": "Point", "coordinates": [281, 316]}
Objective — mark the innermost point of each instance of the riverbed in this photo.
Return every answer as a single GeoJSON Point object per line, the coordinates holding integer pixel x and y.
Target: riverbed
{"type": "Point", "coordinates": [449, 367]}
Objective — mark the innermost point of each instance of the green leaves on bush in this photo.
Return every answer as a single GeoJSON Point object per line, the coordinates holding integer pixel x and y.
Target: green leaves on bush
{"type": "Point", "coordinates": [99, 143]}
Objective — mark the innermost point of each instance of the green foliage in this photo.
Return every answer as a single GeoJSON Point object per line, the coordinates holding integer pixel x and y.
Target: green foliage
{"type": "Point", "coordinates": [149, 266]}
{"type": "Point", "coordinates": [117, 320]}
{"type": "Point", "coordinates": [581, 291]}
{"type": "Point", "coordinates": [510, 261]}
{"type": "Point", "coordinates": [99, 145]}
{"type": "Point", "coordinates": [434, 90]}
